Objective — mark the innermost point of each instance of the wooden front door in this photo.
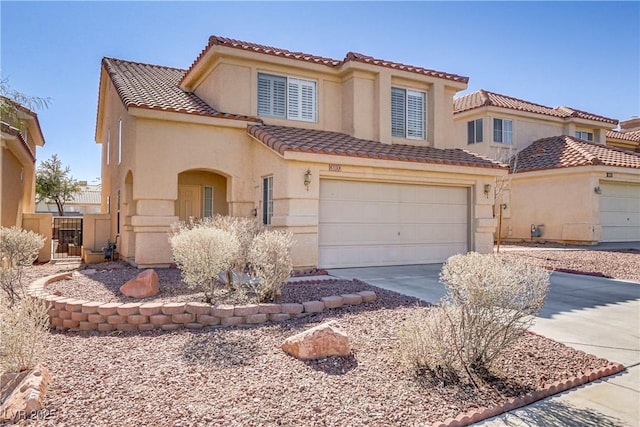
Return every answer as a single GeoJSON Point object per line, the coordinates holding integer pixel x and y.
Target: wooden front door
{"type": "Point", "coordinates": [189, 202]}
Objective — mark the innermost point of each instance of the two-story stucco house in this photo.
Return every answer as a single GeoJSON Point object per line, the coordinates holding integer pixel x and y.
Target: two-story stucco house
{"type": "Point", "coordinates": [17, 163]}
{"type": "Point", "coordinates": [356, 156]}
{"type": "Point", "coordinates": [573, 178]}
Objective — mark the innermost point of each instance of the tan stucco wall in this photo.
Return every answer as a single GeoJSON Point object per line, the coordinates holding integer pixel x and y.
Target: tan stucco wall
{"type": "Point", "coordinates": [17, 182]}
{"type": "Point", "coordinates": [563, 200]}
{"type": "Point", "coordinates": [40, 223]}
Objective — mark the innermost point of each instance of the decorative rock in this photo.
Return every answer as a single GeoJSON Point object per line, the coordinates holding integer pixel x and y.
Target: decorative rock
{"type": "Point", "coordinates": [128, 309]}
{"type": "Point", "coordinates": [171, 327]}
{"type": "Point", "coordinates": [245, 310]}
{"type": "Point", "coordinates": [333, 301]}
{"type": "Point", "coordinates": [222, 310]}
{"type": "Point", "coordinates": [198, 308]}
{"type": "Point", "coordinates": [257, 318]}
{"type": "Point", "coordinates": [279, 317]}
{"type": "Point", "coordinates": [208, 320]}
{"type": "Point", "coordinates": [326, 339]}
{"type": "Point", "coordinates": [313, 306]}
{"type": "Point", "coordinates": [88, 271]}
{"type": "Point", "coordinates": [26, 394]}
{"type": "Point", "coordinates": [352, 299]}
{"type": "Point", "coordinates": [145, 284]}
{"type": "Point", "coordinates": [292, 308]}
{"type": "Point", "coordinates": [269, 308]}
{"type": "Point", "coordinates": [150, 308]}
{"type": "Point", "coordinates": [173, 308]}
{"type": "Point", "coordinates": [367, 296]}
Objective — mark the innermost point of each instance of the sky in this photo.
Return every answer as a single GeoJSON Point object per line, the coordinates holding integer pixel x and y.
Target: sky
{"type": "Point", "coordinates": [584, 55]}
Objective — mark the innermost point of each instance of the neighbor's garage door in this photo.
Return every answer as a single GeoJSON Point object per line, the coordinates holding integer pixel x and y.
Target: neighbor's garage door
{"type": "Point", "coordinates": [368, 224]}
{"type": "Point", "coordinates": [620, 212]}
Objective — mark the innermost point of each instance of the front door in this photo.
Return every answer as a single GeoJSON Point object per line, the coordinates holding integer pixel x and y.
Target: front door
{"type": "Point", "coordinates": [189, 202]}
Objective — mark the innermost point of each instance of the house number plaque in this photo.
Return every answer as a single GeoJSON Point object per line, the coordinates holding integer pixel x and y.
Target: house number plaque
{"type": "Point", "coordinates": [335, 168]}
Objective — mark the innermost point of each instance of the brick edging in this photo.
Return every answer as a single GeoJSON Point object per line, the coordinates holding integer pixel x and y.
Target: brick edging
{"type": "Point", "coordinates": [75, 314]}
{"type": "Point", "coordinates": [480, 414]}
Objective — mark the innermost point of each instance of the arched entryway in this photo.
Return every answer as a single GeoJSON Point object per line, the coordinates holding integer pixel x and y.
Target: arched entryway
{"type": "Point", "coordinates": [201, 193]}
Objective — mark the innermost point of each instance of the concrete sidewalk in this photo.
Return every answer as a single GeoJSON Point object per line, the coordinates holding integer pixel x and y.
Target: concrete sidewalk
{"type": "Point", "coordinates": [599, 316]}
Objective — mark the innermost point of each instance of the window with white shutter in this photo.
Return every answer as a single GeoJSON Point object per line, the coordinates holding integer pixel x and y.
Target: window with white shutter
{"type": "Point", "coordinates": [286, 97]}
{"type": "Point", "coordinates": [408, 113]}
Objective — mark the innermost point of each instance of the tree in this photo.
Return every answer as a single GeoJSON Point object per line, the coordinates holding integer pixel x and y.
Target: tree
{"type": "Point", "coordinates": [13, 101]}
{"type": "Point", "coordinates": [55, 184]}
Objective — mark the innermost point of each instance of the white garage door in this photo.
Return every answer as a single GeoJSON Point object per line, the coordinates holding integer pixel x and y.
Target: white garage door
{"type": "Point", "coordinates": [620, 212]}
{"type": "Point", "coordinates": [368, 224]}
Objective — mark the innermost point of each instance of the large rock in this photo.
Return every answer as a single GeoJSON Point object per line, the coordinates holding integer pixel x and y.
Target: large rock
{"type": "Point", "coordinates": [326, 339]}
{"type": "Point", "coordinates": [145, 284]}
{"type": "Point", "coordinates": [23, 394]}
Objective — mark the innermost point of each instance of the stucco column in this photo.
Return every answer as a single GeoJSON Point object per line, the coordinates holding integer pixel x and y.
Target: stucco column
{"type": "Point", "coordinates": [484, 224]}
{"type": "Point", "coordinates": [152, 227]}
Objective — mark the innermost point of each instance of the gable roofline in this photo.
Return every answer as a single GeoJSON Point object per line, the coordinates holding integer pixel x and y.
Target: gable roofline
{"type": "Point", "coordinates": [484, 98]}
{"type": "Point", "coordinates": [15, 132]}
{"type": "Point", "coordinates": [633, 136]}
{"type": "Point", "coordinates": [564, 151]}
{"type": "Point", "coordinates": [32, 117]}
{"type": "Point", "coordinates": [329, 62]}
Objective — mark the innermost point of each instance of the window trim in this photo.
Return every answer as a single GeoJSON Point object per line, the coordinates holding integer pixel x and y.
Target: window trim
{"type": "Point", "coordinates": [267, 199]}
{"type": "Point", "coordinates": [298, 113]}
{"type": "Point", "coordinates": [580, 133]}
{"type": "Point", "coordinates": [503, 132]}
{"type": "Point", "coordinates": [407, 116]}
{"type": "Point", "coordinates": [204, 201]}
{"type": "Point", "coordinates": [119, 141]}
{"type": "Point", "coordinates": [475, 125]}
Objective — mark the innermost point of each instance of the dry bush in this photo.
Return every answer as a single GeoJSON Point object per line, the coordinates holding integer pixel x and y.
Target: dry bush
{"type": "Point", "coordinates": [488, 306]}
{"type": "Point", "coordinates": [18, 248]}
{"type": "Point", "coordinates": [23, 334]}
{"type": "Point", "coordinates": [271, 263]}
{"type": "Point", "coordinates": [203, 253]}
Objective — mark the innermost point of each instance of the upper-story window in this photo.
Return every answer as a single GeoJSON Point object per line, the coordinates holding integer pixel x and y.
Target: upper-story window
{"type": "Point", "coordinates": [408, 113]}
{"type": "Point", "coordinates": [474, 131]}
{"type": "Point", "coordinates": [503, 131]}
{"type": "Point", "coordinates": [584, 135]}
{"type": "Point", "coordinates": [287, 97]}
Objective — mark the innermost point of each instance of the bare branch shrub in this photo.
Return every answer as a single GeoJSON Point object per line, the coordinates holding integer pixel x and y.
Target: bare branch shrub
{"type": "Point", "coordinates": [271, 263]}
{"type": "Point", "coordinates": [489, 305]}
{"type": "Point", "coordinates": [23, 334]}
{"type": "Point", "coordinates": [18, 248]}
{"type": "Point", "coordinates": [203, 253]}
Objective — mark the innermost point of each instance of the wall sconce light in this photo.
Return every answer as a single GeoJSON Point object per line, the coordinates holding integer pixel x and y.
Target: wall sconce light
{"type": "Point", "coordinates": [597, 190]}
{"type": "Point", "coordinates": [487, 188]}
{"type": "Point", "coordinates": [307, 178]}
{"type": "Point", "coordinates": [254, 212]}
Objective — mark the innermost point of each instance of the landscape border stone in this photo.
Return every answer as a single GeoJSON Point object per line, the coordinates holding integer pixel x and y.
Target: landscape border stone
{"type": "Point", "coordinates": [74, 314]}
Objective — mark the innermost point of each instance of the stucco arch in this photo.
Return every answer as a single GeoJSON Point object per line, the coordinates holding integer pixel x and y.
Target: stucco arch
{"type": "Point", "coordinates": [202, 192]}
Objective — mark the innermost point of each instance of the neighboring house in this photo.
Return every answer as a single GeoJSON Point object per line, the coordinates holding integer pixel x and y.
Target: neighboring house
{"type": "Point", "coordinates": [628, 137]}
{"type": "Point", "coordinates": [85, 201]}
{"type": "Point", "coordinates": [356, 156]}
{"type": "Point", "coordinates": [17, 165]}
{"type": "Point", "coordinates": [574, 178]}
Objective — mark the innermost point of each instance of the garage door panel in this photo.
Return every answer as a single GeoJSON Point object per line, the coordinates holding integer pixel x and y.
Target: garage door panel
{"type": "Point", "coordinates": [620, 212]}
{"type": "Point", "coordinates": [364, 223]}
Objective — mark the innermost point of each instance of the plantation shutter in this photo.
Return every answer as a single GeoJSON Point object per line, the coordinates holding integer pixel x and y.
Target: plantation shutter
{"type": "Point", "coordinates": [415, 114]}
{"type": "Point", "coordinates": [272, 96]}
{"type": "Point", "coordinates": [302, 100]}
{"type": "Point", "coordinates": [398, 112]}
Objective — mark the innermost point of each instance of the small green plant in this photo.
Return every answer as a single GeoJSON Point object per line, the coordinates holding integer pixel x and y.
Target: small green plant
{"type": "Point", "coordinates": [18, 248]}
{"type": "Point", "coordinates": [489, 305]}
{"type": "Point", "coordinates": [271, 263]}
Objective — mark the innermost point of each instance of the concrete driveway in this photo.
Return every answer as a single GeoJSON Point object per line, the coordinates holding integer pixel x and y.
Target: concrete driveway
{"type": "Point", "coordinates": [596, 315]}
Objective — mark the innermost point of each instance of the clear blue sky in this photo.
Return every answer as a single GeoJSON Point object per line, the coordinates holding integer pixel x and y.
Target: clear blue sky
{"type": "Point", "coordinates": [584, 55]}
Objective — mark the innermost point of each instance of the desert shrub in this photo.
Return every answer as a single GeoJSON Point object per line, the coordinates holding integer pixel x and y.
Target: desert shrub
{"type": "Point", "coordinates": [488, 306]}
{"type": "Point", "coordinates": [271, 263]}
{"type": "Point", "coordinates": [18, 248]}
{"type": "Point", "coordinates": [203, 253]}
{"type": "Point", "coordinates": [23, 334]}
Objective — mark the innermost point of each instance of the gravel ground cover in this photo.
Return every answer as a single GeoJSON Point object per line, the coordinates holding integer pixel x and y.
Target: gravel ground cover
{"type": "Point", "coordinates": [240, 377]}
{"type": "Point", "coordinates": [617, 264]}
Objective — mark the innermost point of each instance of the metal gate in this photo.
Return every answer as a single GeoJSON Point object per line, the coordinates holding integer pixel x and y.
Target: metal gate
{"type": "Point", "coordinates": [66, 237]}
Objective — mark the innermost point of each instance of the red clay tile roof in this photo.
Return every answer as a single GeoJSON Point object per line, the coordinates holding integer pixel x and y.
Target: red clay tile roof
{"type": "Point", "coordinates": [333, 63]}
{"type": "Point", "coordinates": [6, 128]}
{"type": "Point", "coordinates": [626, 136]}
{"type": "Point", "coordinates": [484, 98]}
{"type": "Point", "coordinates": [566, 151]}
{"type": "Point", "coordinates": [155, 87]}
{"type": "Point", "coordinates": [284, 138]}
